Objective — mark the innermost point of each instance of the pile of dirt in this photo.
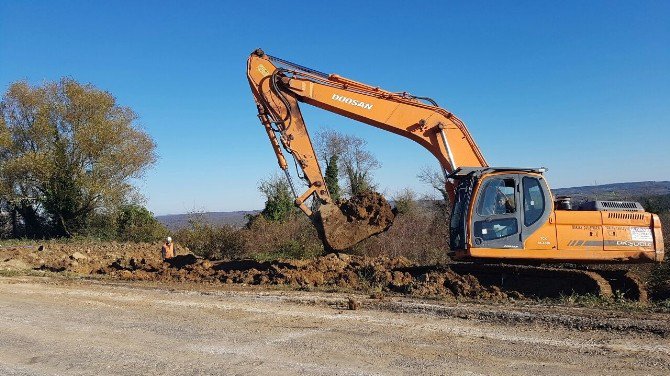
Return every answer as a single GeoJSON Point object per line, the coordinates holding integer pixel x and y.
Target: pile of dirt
{"type": "Point", "coordinates": [659, 281]}
{"type": "Point", "coordinates": [381, 275]}
{"type": "Point", "coordinates": [347, 222]}
{"type": "Point", "coordinates": [127, 261]}
{"type": "Point", "coordinates": [84, 257]}
{"type": "Point", "coordinates": [338, 271]}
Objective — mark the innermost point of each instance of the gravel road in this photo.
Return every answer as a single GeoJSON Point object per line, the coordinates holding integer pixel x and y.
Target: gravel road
{"type": "Point", "coordinates": [83, 327]}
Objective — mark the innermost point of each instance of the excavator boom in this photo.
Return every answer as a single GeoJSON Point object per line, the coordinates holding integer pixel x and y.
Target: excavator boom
{"type": "Point", "coordinates": [278, 86]}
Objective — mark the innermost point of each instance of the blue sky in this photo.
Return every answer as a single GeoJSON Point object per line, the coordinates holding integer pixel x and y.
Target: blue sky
{"type": "Point", "coordinates": [580, 87]}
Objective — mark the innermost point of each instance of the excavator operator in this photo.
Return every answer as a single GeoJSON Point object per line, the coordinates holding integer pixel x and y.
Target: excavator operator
{"type": "Point", "coordinates": [504, 204]}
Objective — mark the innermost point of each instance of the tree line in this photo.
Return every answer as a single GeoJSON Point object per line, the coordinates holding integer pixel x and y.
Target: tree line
{"type": "Point", "coordinates": [69, 153]}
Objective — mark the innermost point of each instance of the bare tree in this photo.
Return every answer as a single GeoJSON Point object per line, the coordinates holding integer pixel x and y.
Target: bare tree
{"type": "Point", "coordinates": [435, 179]}
{"type": "Point", "coordinates": [356, 163]}
{"type": "Point", "coordinates": [329, 143]}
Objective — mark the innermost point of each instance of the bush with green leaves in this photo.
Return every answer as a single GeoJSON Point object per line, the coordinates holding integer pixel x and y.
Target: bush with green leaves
{"type": "Point", "coordinates": [279, 201]}
{"type": "Point", "coordinates": [137, 224]}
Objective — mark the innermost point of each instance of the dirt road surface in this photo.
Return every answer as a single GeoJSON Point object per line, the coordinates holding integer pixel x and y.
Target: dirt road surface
{"type": "Point", "coordinates": [83, 327]}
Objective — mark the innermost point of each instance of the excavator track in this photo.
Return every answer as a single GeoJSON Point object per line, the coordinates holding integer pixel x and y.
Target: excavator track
{"type": "Point", "coordinates": [554, 282]}
{"type": "Point", "coordinates": [624, 283]}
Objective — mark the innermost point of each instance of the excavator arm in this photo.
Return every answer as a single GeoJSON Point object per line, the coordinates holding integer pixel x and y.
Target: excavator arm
{"type": "Point", "coordinates": [278, 86]}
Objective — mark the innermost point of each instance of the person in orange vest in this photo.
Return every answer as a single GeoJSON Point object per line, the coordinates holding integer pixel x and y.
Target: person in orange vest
{"type": "Point", "coordinates": [167, 251]}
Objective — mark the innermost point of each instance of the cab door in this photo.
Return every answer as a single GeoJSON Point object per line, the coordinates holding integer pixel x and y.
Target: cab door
{"type": "Point", "coordinates": [536, 209]}
{"type": "Point", "coordinates": [496, 220]}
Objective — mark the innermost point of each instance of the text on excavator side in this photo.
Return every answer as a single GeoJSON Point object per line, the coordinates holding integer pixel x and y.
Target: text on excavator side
{"type": "Point", "coordinates": [352, 102]}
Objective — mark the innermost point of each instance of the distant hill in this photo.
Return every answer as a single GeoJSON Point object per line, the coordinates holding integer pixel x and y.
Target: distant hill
{"type": "Point", "coordinates": [618, 191]}
{"type": "Point", "coordinates": [234, 218]}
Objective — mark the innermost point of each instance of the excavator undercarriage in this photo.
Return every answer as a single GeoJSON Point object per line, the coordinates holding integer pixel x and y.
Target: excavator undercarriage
{"type": "Point", "coordinates": [555, 281]}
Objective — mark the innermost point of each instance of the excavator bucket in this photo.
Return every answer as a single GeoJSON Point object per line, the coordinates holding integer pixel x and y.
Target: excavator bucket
{"type": "Point", "coordinates": [345, 223]}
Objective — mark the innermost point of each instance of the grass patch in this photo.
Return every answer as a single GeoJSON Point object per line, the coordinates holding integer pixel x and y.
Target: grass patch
{"type": "Point", "coordinates": [616, 302]}
{"type": "Point", "coordinates": [45, 273]}
{"type": "Point", "coordinates": [12, 273]}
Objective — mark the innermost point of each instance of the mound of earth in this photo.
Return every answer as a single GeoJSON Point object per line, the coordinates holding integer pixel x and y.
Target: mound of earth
{"type": "Point", "coordinates": [347, 222]}
{"type": "Point", "coordinates": [660, 282]}
{"type": "Point", "coordinates": [84, 257]}
{"type": "Point", "coordinates": [129, 261]}
{"type": "Point", "coordinates": [339, 271]}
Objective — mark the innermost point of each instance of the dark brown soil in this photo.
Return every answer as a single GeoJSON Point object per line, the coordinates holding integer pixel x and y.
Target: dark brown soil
{"type": "Point", "coordinates": [346, 223]}
{"type": "Point", "coordinates": [379, 276]}
{"type": "Point", "coordinates": [339, 271]}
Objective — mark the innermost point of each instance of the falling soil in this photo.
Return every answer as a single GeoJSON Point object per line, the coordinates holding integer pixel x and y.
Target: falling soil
{"type": "Point", "coordinates": [345, 223]}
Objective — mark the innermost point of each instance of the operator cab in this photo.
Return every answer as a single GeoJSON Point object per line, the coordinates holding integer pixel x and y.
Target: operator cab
{"type": "Point", "coordinates": [498, 207]}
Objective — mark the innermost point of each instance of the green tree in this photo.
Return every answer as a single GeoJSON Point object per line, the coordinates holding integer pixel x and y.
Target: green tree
{"type": "Point", "coordinates": [332, 182]}
{"type": "Point", "coordinates": [68, 152]}
{"type": "Point", "coordinates": [279, 202]}
{"type": "Point", "coordinates": [137, 224]}
{"type": "Point", "coordinates": [62, 197]}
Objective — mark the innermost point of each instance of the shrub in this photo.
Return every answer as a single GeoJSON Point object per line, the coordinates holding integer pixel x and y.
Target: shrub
{"type": "Point", "coordinates": [137, 224]}
{"type": "Point", "coordinates": [263, 239]}
{"type": "Point", "coordinates": [293, 238]}
{"type": "Point", "coordinates": [422, 235]}
{"type": "Point", "coordinates": [209, 241]}
{"type": "Point", "coordinates": [405, 201]}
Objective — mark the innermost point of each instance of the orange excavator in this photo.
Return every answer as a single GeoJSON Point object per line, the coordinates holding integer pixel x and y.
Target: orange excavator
{"type": "Point", "coordinates": [498, 213]}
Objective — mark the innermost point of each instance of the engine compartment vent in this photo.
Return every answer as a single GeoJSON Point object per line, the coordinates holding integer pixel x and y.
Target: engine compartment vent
{"type": "Point", "coordinates": [625, 216]}
{"type": "Point", "coordinates": [612, 206]}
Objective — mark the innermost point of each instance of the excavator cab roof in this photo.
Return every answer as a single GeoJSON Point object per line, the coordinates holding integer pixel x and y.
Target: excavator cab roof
{"type": "Point", "coordinates": [462, 172]}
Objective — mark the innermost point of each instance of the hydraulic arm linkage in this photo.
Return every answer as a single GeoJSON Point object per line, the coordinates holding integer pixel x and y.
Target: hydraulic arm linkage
{"type": "Point", "coordinates": [279, 85]}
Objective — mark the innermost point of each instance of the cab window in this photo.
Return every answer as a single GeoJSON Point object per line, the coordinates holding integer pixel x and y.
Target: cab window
{"type": "Point", "coordinates": [533, 200]}
{"type": "Point", "coordinates": [496, 229]}
{"type": "Point", "coordinates": [497, 197]}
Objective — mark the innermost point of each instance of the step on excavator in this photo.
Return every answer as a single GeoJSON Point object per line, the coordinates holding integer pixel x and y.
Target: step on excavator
{"type": "Point", "coordinates": [505, 225]}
